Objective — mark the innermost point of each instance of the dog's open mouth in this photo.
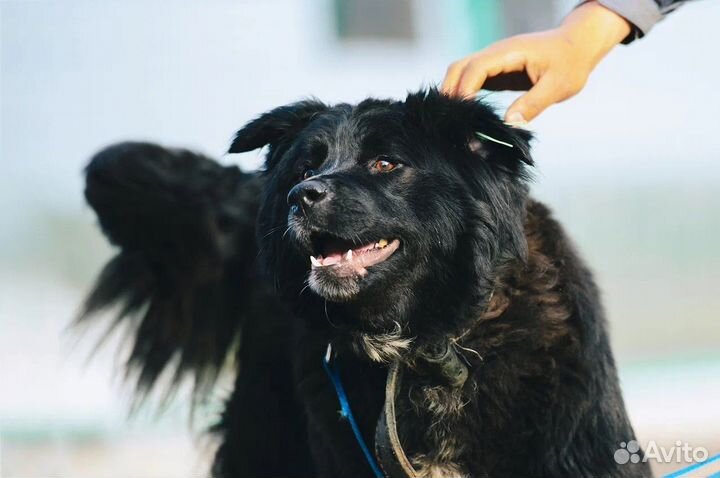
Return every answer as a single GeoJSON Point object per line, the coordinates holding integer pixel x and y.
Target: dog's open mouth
{"type": "Point", "coordinates": [345, 258]}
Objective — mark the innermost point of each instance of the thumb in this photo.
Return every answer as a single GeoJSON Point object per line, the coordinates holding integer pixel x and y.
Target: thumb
{"type": "Point", "coordinates": [526, 108]}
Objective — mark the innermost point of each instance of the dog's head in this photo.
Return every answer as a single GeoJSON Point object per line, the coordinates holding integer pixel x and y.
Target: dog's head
{"type": "Point", "coordinates": [367, 203]}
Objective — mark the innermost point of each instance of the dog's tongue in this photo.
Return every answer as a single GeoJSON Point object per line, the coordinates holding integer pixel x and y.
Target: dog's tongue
{"type": "Point", "coordinates": [356, 261]}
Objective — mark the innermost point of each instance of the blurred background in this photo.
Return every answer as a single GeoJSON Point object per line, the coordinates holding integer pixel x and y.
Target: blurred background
{"type": "Point", "coordinates": [631, 166]}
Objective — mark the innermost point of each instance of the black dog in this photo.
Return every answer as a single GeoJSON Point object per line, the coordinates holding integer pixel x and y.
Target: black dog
{"type": "Point", "coordinates": [402, 234]}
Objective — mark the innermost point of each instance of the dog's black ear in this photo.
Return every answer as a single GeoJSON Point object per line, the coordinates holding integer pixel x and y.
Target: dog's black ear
{"type": "Point", "coordinates": [276, 126]}
{"type": "Point", "coordinates": [495, 140]}
{"type": "Point", "coordinates": [474, 125]}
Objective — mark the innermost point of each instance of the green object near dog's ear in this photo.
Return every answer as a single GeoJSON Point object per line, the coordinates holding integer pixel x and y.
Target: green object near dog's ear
{"type": "Point", "coordinates": [494, 140]}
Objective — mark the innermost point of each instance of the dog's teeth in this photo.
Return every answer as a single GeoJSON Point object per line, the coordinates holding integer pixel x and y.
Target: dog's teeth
{"type": "Point", "coordinates": [315, 262]}
{"type": "Point", "coordinates": [348, 256]}
{"type": "Point", "coordinates": [382, 242]}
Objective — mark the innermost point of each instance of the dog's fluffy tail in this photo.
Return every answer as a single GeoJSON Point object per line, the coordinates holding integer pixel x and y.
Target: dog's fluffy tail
{"type": "Point", "coordinates": [185, 278]}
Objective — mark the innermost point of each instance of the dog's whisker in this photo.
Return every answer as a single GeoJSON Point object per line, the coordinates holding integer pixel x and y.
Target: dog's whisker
{"type": "Point", "coordinates": [272, 231]}
{"type": "Point", "coordinates": [328, 317]}
{"type": "Point", "coordinates": [307, 284]}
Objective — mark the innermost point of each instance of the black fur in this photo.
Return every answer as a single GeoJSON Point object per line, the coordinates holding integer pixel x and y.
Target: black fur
{"type": "Point", "coordinates": [479, 267]}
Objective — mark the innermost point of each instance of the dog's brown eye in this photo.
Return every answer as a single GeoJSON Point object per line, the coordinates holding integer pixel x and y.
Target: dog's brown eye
{"type": "Point", "coordinates": [383, 166]}
{"type": "Point", "coordinates": [308, 174]}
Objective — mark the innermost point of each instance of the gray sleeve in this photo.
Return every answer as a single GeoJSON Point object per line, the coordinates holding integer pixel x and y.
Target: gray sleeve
{"type": "Point", "coordinates": [642, 14]}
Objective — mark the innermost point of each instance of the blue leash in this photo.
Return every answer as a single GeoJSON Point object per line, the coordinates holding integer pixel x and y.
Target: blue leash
{"type": "Point", "coordinates": [331, 368]}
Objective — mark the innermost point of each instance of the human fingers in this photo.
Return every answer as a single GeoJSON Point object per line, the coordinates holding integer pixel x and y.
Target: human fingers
{"type": "Point", "coordinates": [486, 65]}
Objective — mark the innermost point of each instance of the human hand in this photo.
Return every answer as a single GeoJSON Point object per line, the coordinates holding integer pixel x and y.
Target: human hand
{"type": "Point", "coordinates": [552, 66]}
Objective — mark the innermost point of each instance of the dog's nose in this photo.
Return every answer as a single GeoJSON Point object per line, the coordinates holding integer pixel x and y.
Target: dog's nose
{"type": "Point", "coordinates": [308, 194]}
